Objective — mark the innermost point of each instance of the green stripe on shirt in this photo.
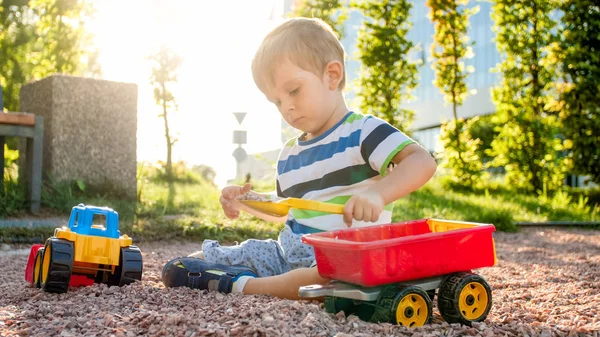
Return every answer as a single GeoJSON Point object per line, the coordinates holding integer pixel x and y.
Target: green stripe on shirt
{"type": "Point", "coordinates": [354, 117]}
{"type": "Point", "coordinates": [383, 169]}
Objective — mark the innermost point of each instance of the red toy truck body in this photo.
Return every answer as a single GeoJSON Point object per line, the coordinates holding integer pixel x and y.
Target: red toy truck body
{"type": "Point", "coordinates": [372, 256]}
{"type": "Point", "coordinates": [393, 272]}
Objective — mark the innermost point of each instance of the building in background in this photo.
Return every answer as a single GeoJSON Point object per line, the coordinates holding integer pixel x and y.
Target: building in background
{"type": "Point", "coordinates": [430, 109]}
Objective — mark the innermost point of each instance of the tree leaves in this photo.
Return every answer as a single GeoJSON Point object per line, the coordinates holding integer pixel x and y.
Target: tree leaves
{"type": "Point", "coordinates": [528, 135]}
{"type": "Point", "coordinates": [330, 11]}
{"type": "Point", "coordinates": [577, 107]}
{"type": "Point", "coordinates": [387, 76]}
{"type": "Point", "coordinates": [450, 49]}
{"type": "Point", "coordinates": [42, 37]}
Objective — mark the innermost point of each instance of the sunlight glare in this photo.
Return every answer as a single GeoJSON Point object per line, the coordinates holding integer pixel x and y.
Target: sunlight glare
{"type": "Point", "coordinates": [217, 41]}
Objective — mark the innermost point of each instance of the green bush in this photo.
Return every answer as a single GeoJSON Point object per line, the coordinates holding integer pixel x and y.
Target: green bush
{"type": "Point", "coordinates": [62, 195]}
{"type": "Point", "coordinates": [591, 194]}
{"type": "Point", "coordinates": [12, 198]}
{"type": "Point", "coordinates": [461, 156]}
{"type": "Point", "coordinates": [484, 130]}
{"type": "Point", "coordinates": [12, 194]}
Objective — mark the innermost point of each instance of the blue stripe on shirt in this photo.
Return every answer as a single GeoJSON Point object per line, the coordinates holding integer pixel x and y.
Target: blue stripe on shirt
{"type": "Point", "coordinates": [318, 153]}
{"type": "Point", "coordinates": [299, 228]}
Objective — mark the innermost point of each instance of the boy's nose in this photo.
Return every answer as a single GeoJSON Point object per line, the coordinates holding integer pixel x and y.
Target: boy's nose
{"type": "Point", "coordinates": [288, 109]}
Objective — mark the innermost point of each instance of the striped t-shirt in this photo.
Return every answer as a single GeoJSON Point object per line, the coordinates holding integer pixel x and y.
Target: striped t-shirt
{"type": "Point", "coordinates": [346, 160]}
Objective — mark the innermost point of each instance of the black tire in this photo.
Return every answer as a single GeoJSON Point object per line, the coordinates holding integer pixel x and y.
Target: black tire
{"type": "Point", "coordinates": [464, 298]}
{"type": "Point", "coordinates": [412, 307]}
{"type": "Point", "coordinates": [57, 265]}
{"type": "Point", "coordinates": [129, 269]}
{"type": "Point", "coordinates": [37, 268]}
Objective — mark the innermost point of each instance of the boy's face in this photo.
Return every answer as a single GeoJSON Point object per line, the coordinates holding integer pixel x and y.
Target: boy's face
{"type": "Point", "coordinates": [304, 99]}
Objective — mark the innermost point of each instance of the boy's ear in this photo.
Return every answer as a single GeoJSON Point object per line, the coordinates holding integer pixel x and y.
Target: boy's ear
{"type": "Point", "coordinates": [334, 72]}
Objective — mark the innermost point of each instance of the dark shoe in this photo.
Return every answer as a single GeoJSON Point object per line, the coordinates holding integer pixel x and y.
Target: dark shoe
{"type": "Point", "coordinates": [198, 274]}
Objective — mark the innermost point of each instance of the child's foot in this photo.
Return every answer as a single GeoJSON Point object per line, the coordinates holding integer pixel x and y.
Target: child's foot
{"type": "Point", "coordinates": [196, 273]}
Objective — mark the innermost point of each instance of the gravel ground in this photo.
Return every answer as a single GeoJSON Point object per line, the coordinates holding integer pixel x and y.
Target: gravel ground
{"type": "Point", "coordinates": [546, 283]}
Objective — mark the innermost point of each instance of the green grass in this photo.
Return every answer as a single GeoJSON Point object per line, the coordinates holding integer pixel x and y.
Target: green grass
{"type": "Point", "coordinates": [496, 205]}
{"type": "Point", "coordinates": [193, 211]}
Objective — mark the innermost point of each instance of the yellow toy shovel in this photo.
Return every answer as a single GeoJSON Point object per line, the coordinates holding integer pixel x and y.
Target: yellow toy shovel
{"type": "Point", "coordinates": [281, 207]}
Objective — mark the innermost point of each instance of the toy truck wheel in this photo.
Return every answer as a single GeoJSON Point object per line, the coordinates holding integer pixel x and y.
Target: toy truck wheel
{"type": "Point", "coordinates": [464, 298]}
{"type": "Point", "coordinates": [57, 265]}
{"type": "Point", "coordinates": [412, 307]}
{"type": "Point", "coordinates": [37, 267]}
{"type": "Point", "coordinates": [130, 267]}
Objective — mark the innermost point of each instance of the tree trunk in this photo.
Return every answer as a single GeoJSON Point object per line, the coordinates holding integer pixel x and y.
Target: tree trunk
{"type": "Point", "coordinates": [169, 167]}
{"type": "Point", "coordinates": [454, 104]}
{"type": "Point", "coordinates": [537, 183]}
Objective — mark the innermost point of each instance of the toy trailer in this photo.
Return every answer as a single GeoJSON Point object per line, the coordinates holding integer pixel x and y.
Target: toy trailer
{"type": "Point", "coordinates": [390, 273]}
{"type": "Point", "coordinates": [85, 252]}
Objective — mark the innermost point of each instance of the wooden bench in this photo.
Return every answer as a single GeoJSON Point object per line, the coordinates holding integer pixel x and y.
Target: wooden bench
{"type": "Point", "coordinates": [28, 126]}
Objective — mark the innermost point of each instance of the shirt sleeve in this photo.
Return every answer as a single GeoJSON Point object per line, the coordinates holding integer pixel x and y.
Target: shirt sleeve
{"type": "Point", "coordinates": [380, 142]}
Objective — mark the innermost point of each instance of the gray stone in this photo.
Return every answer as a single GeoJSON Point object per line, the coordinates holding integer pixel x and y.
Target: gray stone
{"type": "Point", "coordinates": [90, 131]}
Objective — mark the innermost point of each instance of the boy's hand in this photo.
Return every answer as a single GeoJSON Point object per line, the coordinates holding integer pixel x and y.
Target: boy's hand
{"type": "Point", "coordinates": [364, 207]}
{"type": "Point", "coordinates": [229, 202]}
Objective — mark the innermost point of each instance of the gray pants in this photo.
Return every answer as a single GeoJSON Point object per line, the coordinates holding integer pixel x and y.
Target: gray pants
{"type": "Point", "coordinates": [266, 257]}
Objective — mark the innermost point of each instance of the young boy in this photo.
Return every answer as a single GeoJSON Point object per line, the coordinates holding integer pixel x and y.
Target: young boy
{"type": "Point", "coordinates": [341, 157]}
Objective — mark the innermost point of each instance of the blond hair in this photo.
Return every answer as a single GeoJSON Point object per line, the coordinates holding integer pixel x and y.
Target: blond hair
{"type": "Point", "coordinates": [308, 43]}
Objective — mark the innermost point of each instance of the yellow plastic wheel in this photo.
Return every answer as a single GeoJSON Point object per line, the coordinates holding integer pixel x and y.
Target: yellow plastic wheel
{"type": "Point", "coordinates": [464, 298]}
{"type": "Point", "coordinates": [413, 307]}
{"type": "Point", "coordinates": [37, 267]}
{"type": "Point", "coordinates": [473, 301]}
{"type": "Point", "coordinates": [46, 263]}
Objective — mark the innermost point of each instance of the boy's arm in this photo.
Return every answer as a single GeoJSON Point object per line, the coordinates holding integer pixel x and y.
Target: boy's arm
{"type": "Point", "coordinates": [414, 167]}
